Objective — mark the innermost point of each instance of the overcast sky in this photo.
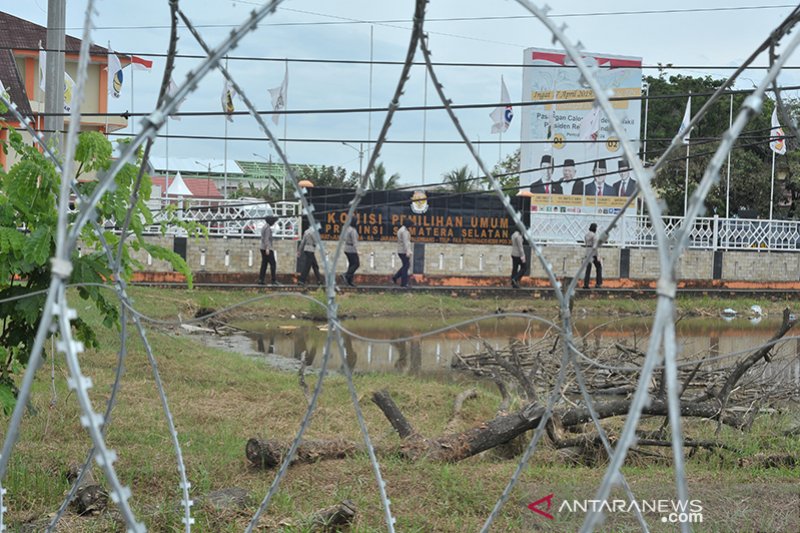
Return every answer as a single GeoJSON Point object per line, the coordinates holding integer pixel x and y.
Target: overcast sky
{"type": "Point", "coordinates": [692, 33]}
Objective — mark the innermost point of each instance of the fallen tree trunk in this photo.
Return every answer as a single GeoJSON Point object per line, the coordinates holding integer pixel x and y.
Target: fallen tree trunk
{"type": "Point", "coordinates": [393, 413]}
{"type": "Point", "coordinates": [455, 447]}
{"type": "Point", "coordinates": [270, 453]}
{"type": "Point", "coordinates": [709, 410]}
{"type": "Point", "coordinates": [458, 446]}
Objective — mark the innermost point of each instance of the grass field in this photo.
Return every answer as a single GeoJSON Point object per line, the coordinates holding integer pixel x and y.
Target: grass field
{"type": "Point", "coordinates": [219, 400]}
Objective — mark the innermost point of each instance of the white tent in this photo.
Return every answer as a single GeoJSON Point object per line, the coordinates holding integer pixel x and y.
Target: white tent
{"type": "Point", "coordinates": [178, 187]}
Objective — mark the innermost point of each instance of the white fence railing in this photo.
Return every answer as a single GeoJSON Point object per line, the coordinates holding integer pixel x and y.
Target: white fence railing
{"type": "Point", "coordinates": [705, 233]}
{"type": "Point", "coordinates": [245, 217]}
{"type": "Point", "coordinates": [234, 218]}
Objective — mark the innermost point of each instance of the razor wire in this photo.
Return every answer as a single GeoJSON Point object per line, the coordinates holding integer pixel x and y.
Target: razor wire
{"type": "Point", "coordinates": [662, 342]}
{"type": "Point", "coordinates": [62, 268]}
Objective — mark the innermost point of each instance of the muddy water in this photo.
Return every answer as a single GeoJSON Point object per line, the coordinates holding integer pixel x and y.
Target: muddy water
{"type": "Point", "coordinates": [432, 355]}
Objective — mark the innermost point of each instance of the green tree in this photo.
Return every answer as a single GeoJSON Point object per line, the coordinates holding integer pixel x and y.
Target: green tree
{"type": "Point", "coordinates": [328, 176]}
{"type": "Point", "coordinates": [28, 218]}
{"type": "Point", "coordinates": [750, 158]}
{"type": "Point", "coordinates": [507, 173]}
{"type": "Point", "coordinates": [378, 181]}
{"type": "Point", "coordinates": [461, 180]}
{"type": "Point", "coordinates": [254, 191]}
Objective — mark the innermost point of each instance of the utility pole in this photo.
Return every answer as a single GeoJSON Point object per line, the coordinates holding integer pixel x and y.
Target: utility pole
{"type": "Point", "coordinates": [54, 73]}
{"type": "Point", "coordinates": [360, 151]}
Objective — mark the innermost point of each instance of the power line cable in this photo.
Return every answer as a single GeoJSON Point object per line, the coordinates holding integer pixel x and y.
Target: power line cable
{"type": "Point", "coordinates": [668, 66]}
{"type": "Point", "coordinates": [345, 195]}
{"type": "Point", "coordinates": [345, 21]}
{"type": "Point", "coordinates": [490, 105]}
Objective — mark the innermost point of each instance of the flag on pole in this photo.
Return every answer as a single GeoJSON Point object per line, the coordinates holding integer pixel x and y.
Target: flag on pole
{"type": "Point", "coordinates": [140, 63]}
{"type": "Point", "coordinates": [172, 88]}
{"type": "Point", "coordinates": [502, 114]}
{"type": "Point", "coordinates": [777, 144]}
{"type": "Point", "coordinates": [590, 124]}
{"type": "Point", "coordinates": [228, 93]}
{"type": "Point", "coordinates": [278, 95]}
{"type": "Point", "coordinates": [114, 74]}
{"type": "Point", "coordinates": [69, 86]}
{"type": "Point", "coordinates": [687, 117]}
{"type": "Point", "coordinates": [42, 66]}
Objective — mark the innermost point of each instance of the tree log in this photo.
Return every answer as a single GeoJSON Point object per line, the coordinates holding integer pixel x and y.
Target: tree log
{"type": "Point", "coordinates": [455, 447]}
{"type": "Point", "coordinates": [459, 446]}
{"type": "Point", "coordinates": [710, 410]}
{"type": "Point", "coordinates": [270, 453]}
{"type": "Point", "coordinates": [399, 422]}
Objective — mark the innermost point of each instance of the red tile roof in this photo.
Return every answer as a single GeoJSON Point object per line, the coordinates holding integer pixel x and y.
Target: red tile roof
{"type": "Point", "coordinates": [200, 187]}
{"type": "Point", "coordinates": [23, 34]}
{"type": "Point", "coordinates": [12, 81]}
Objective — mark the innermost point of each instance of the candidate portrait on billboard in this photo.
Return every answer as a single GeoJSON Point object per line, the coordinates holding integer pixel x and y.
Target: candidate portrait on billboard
{"type": "Point", "coordinates": [568, 126]}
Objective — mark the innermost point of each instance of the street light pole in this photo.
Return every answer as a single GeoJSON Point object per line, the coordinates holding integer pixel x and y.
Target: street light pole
{"type": "Point", "coordinates": [269, 170]}
{"type": "Point", "coordinates": [208, 179]}
{"type": "Point", "coordinates": [360, 151]}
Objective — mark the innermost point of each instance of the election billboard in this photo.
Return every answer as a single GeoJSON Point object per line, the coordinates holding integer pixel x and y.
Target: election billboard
{"type": "Point", "coordinates": [571, 161]}
{"type": "Point", "coordinates": [566, 134]}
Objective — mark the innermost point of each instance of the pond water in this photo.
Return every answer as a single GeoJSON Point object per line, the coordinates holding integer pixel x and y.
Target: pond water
{"type": "Point", "coordinates": [432, 356]}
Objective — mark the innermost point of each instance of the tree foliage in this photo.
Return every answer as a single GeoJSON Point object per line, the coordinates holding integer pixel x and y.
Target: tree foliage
{"type": "Point", "coordinates": [28, 219]}
{"type": "Point", "coordinates": [379, 182]}
{"type": "Point", "coordinates": [751, 157]}
{"type": "Point", "coordinates": [507, 173]}
{"type": "Point", "coordinates": [461, 180]}
{"type": "Point", "coordinates": [328, 176]}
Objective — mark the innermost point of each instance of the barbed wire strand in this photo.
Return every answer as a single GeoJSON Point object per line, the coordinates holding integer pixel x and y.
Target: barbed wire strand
{"type": "Point", "coordinates": [662, 337]}
{"type": "Point", "coordinates": [62, 267]}
{"type": "Point", "coordinates": [588, 400]}
{"type": "Point", "coordinates": [548, 410]}
{"type": "Point", "coordinates": [331, 309]}
{"type": "Point", "coordinates": [50, 154]}
{"type": "Point", "coordinates": [665, 310]}
{"type": "Point", "coordinates": [55, 304]}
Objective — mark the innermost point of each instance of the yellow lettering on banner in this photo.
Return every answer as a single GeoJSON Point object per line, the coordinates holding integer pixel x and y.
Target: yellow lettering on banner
{"type": "Point", "coordinates": [543, 95]}
{"type": "Point", "coordinates": [569, 200]}
{"type": "Point", "coordinates": [625, 92]}
{"type": "Point", "coordinates": [607, 201]}
{"type": "Point", "coordinates": [564, 96]}
{"type": "Point", "coordinates": [331, 218]}
{"type": "Point", "coordinates": [543, 199]}
{"type": "Point", "coordinates": [575, 94]}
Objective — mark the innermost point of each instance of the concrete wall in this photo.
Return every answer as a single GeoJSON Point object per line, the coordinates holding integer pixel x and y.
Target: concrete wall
{"type": "Point", "coordinates": [754, 266]}
{"type": "Point", "coordinates": [241, 256]}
